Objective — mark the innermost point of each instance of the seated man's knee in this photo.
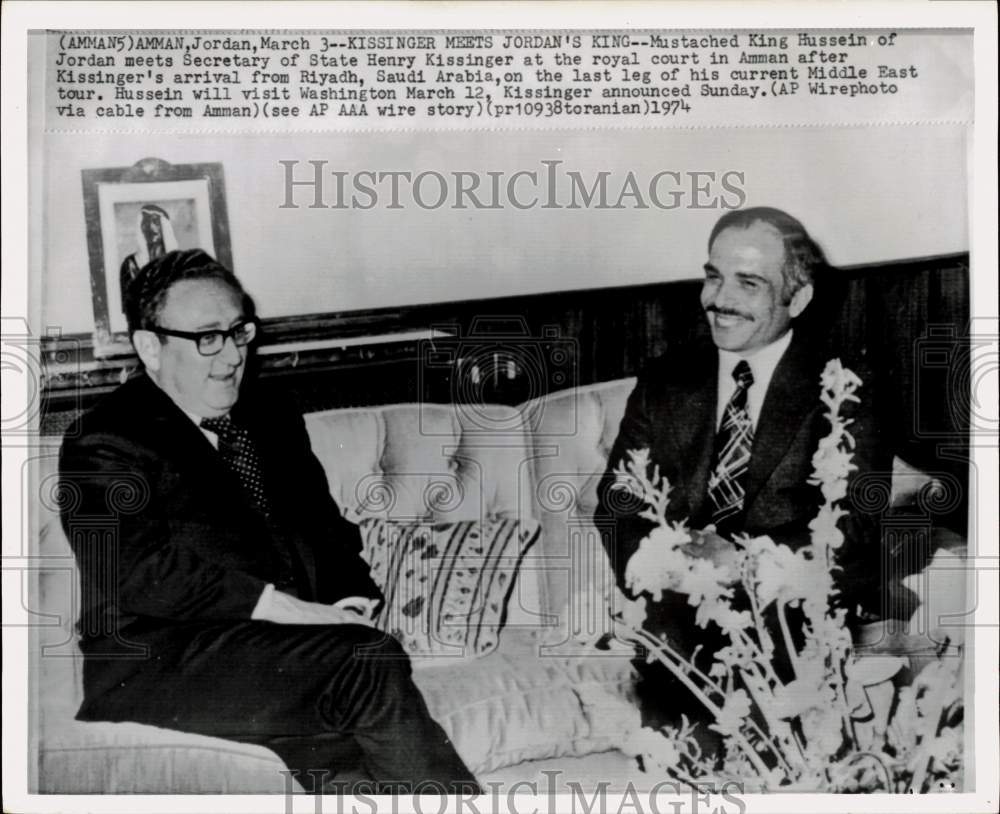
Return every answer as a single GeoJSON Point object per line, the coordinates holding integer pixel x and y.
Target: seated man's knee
{"type": "Point", "coordinates": [370, 681]}
{"type": "Point", "coordinates": [376, 644]}
{"type": "Point", "coordinates": [368, 650]}
{"type": "Point", "coordinates": [384, 659]}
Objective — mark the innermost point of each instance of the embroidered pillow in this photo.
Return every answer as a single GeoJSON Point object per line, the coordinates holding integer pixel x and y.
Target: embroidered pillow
{"type": "Point", "coordinates": [446, 586]}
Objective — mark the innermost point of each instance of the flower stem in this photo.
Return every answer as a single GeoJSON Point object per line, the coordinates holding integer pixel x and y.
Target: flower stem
{"type": "Point", "coordinates": [760, 659]}
{"type": "Point", "coordinates": [649, 641]}
{"type": "Point", "coordinates": [684, 778]}
{"type": "Point", "coordinates": [661, 652]}
{"type": "Point", "coordinates": [758, 621]}
{"type": "Point", "coordinates": [786, 634]}
{"type": "Point", "coordinates": [778, 736]}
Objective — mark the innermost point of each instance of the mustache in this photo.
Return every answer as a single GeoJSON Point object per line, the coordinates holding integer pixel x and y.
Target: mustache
{"type": "Point", "coordinates": [725, 312]}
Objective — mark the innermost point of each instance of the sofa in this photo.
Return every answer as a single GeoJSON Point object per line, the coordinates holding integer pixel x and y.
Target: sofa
{"type": "Point", "coordinates": [546, 700]}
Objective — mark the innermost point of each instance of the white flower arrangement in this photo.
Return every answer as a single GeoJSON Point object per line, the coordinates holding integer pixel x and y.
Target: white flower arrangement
{"type": "Point", "coordinates": [841, 724]}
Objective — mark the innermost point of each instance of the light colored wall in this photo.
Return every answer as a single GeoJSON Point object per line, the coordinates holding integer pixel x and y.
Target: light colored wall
{"type": "Point", "coordinates": [867, 194]}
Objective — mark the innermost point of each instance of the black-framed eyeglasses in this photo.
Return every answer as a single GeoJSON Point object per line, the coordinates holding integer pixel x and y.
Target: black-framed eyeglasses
{"type": "Point", "coordinates": [210, 343]}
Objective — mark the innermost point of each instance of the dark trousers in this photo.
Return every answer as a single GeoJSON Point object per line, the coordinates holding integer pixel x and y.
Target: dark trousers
{"type": "Point", "coordinates": [336, 702]}
{"type": "Point", "coordinates": [662, 698]}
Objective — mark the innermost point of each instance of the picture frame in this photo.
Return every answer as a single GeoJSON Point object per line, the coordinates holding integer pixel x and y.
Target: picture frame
{"type": "Point", "coordinates": [136, 213]}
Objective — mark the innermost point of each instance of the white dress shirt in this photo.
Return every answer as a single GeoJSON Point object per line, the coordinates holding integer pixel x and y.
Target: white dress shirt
{"type": "Point", "coordinates": [762, 364]}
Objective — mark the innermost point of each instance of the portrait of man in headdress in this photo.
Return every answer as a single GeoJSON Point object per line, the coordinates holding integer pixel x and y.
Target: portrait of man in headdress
{"type": "Point", "coordinates": [155, 238]}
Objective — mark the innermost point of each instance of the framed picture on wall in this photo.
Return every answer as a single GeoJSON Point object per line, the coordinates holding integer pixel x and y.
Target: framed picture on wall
{"type": "Point", "coordinates": [135, 214]}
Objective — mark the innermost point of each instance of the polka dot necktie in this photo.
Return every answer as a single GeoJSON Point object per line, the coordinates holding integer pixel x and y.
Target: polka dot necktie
{"type": "Point", "coordinates": [733, 445]}
{"type": "Point", "coordinates": [238, 451]}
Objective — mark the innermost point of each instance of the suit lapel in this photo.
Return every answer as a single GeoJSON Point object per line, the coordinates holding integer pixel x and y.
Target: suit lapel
{"type": "Point", "coordinates": [193, 454]}
{"type": "Point", "coordinates": [791, 397]}
{"type": "Point", "coordinates": [692, 423]}
{"type": "Point", "coordinates": [256, 414]}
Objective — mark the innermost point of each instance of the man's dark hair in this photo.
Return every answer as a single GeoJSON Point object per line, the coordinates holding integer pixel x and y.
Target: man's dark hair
{"type": "Point", "coordinates": [803, 258]}
{"type": "Point", "coordinates": [146, 294]}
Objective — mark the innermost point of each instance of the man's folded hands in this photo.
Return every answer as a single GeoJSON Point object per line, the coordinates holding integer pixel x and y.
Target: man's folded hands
{"type": "Point", "coordinates": [711, 546]}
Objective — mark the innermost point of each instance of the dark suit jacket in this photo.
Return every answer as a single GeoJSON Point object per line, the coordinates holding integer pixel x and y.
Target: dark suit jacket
{"type": "Point", "coordinates": [165, 538]}
{"type": "Point", "coordinates": [672, 412]}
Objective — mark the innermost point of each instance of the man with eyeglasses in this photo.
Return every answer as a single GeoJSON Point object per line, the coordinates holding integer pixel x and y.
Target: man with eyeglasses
{"type": "Point", "coordinates": [225, 594]}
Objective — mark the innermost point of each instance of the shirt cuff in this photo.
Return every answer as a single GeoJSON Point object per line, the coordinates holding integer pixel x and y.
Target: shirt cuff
{"type": "Point", "coordinates": [263, 603]}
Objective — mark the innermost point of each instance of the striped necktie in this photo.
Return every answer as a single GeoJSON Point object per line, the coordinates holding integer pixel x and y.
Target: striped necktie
{"type": "Point", "coordinates": [240, 454]}
{"type": "Point", "coordinates": [733, 445]}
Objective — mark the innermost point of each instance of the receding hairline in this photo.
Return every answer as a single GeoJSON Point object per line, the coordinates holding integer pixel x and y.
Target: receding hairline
{"type": "Point", "coordinates": [217, 274]}
{"type": "Point", "coordinates": [238, 294]}
{"type": "Point", "coordinates": [177, 320]}
{"type": "Point", "coordinates": [745, 227]}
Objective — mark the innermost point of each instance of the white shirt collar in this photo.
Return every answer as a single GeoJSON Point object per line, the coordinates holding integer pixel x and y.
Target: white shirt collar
{"type": "Point", "coordinates": [762, 364]}
{"type": "Point", "coordinates": [197, 419]}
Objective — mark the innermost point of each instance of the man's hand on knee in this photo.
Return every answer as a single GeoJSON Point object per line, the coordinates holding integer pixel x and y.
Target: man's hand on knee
{"type": "Point", "coordinates": [285, 609]}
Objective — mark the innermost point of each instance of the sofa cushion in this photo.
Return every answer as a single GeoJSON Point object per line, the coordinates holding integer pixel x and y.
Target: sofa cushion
{"type": "Point", "coordinates": [129, 758]}
{"type": "Point", "coordinates": [446, 586]}
{"type": "Point", "coordinates": [573, 432]}
{"type": "Point", "coordinates": [519, 703]}
{"type": "Point", "coordinates": [431, 462]}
